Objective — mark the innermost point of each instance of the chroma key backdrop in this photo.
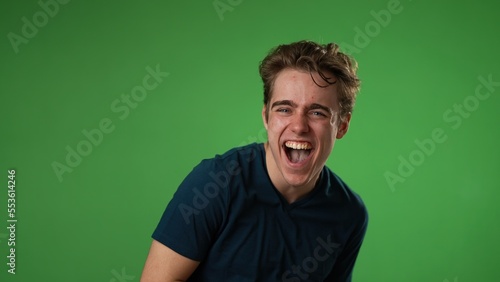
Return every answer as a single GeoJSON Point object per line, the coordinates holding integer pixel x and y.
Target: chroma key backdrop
{"type": "Point", "coordinates": [107, 105]}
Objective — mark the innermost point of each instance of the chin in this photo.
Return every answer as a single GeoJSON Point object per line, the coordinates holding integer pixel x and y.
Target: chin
{"type": "Point", "coordinates": [297, 180]}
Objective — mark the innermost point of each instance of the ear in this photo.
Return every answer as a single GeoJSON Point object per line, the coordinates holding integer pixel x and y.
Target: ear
{"type": "Point", "coordinates": [343, 126]}
{"type": "Point", "coordinates": [264, 116]}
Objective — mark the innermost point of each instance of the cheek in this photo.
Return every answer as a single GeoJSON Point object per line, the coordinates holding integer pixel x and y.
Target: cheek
{"type": "Point", "coordinates": [276, 125]}
{"type": "Point", "coordinates": [327, 135]}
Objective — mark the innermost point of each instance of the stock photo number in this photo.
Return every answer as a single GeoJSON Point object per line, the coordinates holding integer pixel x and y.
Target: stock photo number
{"type": "Point", "coordinates": [11, 220]}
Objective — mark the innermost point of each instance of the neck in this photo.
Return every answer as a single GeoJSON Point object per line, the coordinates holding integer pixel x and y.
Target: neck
{"type": "Point", "coordinates": [290, 192]}
{"type": "Point", "coordinates": [293, 194]}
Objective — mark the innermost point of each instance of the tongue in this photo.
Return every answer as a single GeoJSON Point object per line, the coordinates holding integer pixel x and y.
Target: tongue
{"type": "Point", "coordinates": [298, 155]}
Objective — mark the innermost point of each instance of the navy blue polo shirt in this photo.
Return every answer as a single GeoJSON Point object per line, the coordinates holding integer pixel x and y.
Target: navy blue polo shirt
{"type": "Point", "coordinates": [228, 215]}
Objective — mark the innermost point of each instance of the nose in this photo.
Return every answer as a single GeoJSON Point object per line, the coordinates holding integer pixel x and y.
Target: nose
{"type": "Point", "coordinates": [299, 123]}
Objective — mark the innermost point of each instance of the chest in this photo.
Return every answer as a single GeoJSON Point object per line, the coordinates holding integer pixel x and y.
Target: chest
{"type": "Point", "coordinates": [269, 239]}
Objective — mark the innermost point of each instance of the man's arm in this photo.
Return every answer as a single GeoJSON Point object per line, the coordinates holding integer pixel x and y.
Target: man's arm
{"type": "Point", "coordinates": [165, 265]}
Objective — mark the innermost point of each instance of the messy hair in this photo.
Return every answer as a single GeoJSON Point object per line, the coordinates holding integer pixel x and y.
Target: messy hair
{"type": "Point", "coordinates": [324, 59]}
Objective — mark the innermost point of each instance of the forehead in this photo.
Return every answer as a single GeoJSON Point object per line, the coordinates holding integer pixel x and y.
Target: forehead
{"type": "Point", "coordinates": [299, 86]}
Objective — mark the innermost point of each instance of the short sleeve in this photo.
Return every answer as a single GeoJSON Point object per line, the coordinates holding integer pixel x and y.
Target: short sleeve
{"type": "Point", "coordinates": [194, 216]}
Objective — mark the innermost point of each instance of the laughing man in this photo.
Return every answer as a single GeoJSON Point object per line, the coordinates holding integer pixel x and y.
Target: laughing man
{"type": "Point", "coordinates": [272, 211]}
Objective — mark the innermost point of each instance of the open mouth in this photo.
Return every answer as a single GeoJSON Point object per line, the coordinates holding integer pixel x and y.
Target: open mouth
{"type": "Point", "coordinates": [297, 152]}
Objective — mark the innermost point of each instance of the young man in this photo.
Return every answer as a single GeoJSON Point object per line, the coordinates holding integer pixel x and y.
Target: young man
{"type": "Point", "coordinates": [273, 211]}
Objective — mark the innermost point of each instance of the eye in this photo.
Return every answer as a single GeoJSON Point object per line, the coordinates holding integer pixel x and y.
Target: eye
{"type": "Point", "coordinates": [283, 110]}
{"type": "Point", "coordinates": [318, 113]}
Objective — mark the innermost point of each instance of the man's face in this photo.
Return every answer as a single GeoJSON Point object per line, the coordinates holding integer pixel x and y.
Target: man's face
{"type": "Point", "coordinates": [302, 127]}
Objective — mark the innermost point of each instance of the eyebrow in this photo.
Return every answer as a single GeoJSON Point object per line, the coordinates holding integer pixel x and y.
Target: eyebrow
{"type": "Point", "coordinates": [314, 106]}
{"type": "Point", "coordinates": [284, 103]}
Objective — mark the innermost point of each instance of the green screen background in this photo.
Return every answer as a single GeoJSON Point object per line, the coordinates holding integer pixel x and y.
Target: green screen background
{"type": "Point", "coordinates": [440, 222]}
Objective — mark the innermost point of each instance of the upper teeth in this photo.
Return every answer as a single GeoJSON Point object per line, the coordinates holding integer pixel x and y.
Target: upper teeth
{"type": "Point", "coordinates": [298, 145]}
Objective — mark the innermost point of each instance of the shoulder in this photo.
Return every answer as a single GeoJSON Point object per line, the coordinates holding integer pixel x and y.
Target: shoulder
{"type": "Point", "coordinates": [227, 169]}
{"type": "Point", "coordinates": [233, 160]}
{"type": "Point", "coordinates": [247, 153]}
{"type": "Point", "coordinates": [340, 192]}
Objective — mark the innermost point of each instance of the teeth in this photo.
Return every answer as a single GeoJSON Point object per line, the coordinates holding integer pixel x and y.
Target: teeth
{"type": "Point", "coordinates": [298, 145]}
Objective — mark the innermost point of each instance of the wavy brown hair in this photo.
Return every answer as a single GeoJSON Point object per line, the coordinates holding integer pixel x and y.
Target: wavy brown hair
{"type": "Point", "coordinates": [324, 59]}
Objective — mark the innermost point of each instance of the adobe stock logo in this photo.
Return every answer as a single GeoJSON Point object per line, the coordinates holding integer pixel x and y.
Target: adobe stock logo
{"type": "Point", "coordinates": [219, 180]}
{"type": "Point", "coordinates": [39, 19]}
{"type": "Point", "coordinates": [373, 28]}
{"type": "Point", "coordinates": [454, 117]}
{"type": "Point", "coordinates": [123, 106]}
{"type": "Point", "coordinates": [222, 7]}
{"type": "Point", "coordinates": [121, 277]}
{"type": "Point", "coordinates": [324, 250]}
{"type": "Point", "coordinates": [201, 199]}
